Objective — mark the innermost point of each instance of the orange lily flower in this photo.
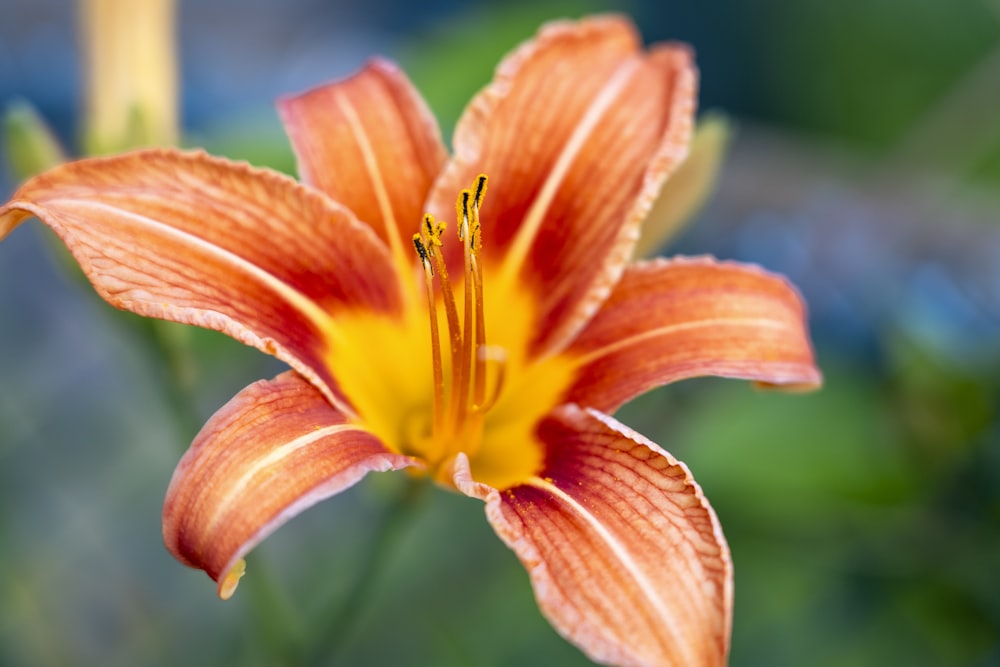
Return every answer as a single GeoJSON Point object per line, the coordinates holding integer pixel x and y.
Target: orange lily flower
{"type": "Point", "coordinates": [487, 356]}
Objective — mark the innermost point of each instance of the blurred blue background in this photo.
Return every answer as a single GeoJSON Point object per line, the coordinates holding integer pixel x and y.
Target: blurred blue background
{"type": "Point", "coordinates": [864, 520]}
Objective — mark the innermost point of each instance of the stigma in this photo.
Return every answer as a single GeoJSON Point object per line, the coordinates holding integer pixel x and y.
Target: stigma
{"type": "Point", "coordinates": [467, 372]}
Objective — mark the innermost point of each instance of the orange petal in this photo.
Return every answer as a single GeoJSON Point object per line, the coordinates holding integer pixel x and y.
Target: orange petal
{"type": "Point", "coordinates": [625, 554]}
{"type": "Point", "coordinates": [577, 133]}
{"type": "Point", "coordinates": [201, 240]}
{"type": "Point", "coordinates": [274, 450]}
{"type": "Point", "coordinates": [673, 319]}
{"type": "Point", "coordinates": [371, 143]}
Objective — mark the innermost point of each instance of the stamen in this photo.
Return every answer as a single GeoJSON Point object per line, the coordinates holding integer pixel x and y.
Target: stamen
{"type": "Point", "coordinates": [460, 350]}
{"type": "Point", "coordinates": [480, 193]}
{"type": "Point", "coordinates": [479, 390]}
{"type": "Point", "coordinates": [435, 335]}
{"type": "Point", "coordinates": [460, 407]}
{"type": "Point", "coordinates": [475, 245]}
{"type": "Point", "coordinates": [434, 232]}
{"type": "Point", "coordinates": [464, 386]}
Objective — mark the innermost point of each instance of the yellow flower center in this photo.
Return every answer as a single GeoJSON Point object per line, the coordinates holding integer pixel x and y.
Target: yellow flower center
{"type": "Point", "coordinates": [452, 375]}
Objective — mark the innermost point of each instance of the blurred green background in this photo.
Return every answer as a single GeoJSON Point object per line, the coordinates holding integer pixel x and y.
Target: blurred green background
{"type": "Point", "coordinates": [864, 520]}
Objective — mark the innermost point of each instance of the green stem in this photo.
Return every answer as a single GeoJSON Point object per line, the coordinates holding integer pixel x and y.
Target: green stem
{"type": "Point", "coordinates": [275, 618]}
{"type": "Point", "coordinates": [166, 344]}
{"type": "Point", "coordinates": [396, 519]}
{"type": "Point", "coordinates": [276, 626]}
{"type": "Point", "coordinates": [276, 622]}
{"type": "Point", "coordinates": [169, 347]}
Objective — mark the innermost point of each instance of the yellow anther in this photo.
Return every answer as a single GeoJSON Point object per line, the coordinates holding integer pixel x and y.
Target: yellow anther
{"type": "Point", "coordinates": [433, 231]}
{"type": "Point", "coordinates": [475, 238]}
{"type": "Point", "coordinates": [425, 259]}
{"type": "Point", "coordinates": [462, 213]}
{"type": "Point", "coordinates": [477, 201]}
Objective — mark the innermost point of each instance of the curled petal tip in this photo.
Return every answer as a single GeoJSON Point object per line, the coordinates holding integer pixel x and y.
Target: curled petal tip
{"type": "Point", "coordinates": [809, 385]}
{"type": "Point", "coordinates": [229, 582]}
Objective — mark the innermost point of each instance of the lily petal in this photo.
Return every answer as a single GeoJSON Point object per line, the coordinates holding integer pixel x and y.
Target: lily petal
{"type": "Point", "coordinates": [371, 143]}
{"type": "Point", "coordinates": [625, 554]}
{"type": "Point", "coordinates": [577, 133]}
{"type": "Point", "coordinates": [201, 240]}
{"type": "Point", "coordinates": [685, 317]}
{"type": "Point", "coordinates": [277, 448]}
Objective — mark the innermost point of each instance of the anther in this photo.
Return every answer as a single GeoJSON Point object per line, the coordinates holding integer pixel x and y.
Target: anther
{"type": "Point", "coordinates": [433, 231]}
{"type": "Point", "coordinates": [480, 192]}
{"type": "Point", "coordinates": [429, 225]}
{"type": "Point", "coordinates": [462, 213]}
{"type": "Point", "coordinates": [475, 237]}
{"type": "Point", "coordinates": [422, 251]}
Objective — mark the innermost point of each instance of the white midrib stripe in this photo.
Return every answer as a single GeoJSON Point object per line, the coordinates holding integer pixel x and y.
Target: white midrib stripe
{"type": "Point", "coordinates": [375, 174]}
{"type": "Point", "coordinates": [623, 557]}
{"type": "Point", "coordinates": [536, 214]}
{"type": "Point", "coordinates": [758, 322]}
{"type": "Point", "coordinates": [299, 301]}
{"type": "Point", "coordinates": [274, 456]}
